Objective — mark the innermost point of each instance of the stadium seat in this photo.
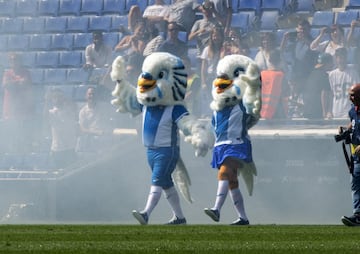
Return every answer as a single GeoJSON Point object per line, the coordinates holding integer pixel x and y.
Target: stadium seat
{"type": "Point", "coordinates": [69, 7]}
{"type": "Point", "coordinates": [26, 8]}
{"type": "Point", "coordinates": [183, 36]}
{"type": "Point", "coordinates": [272, 5]}
{"type": "Point", "coordinates": [77, 24]}
{"type": "Point", "coordinates": [47, 59]}
{"type": "Point", "coordinates": [40, 42]}
{"type": "Point", "coordinates": [77, 76]}
{"type": "Point", "coordinates": [7, 8]}
{"type": "Point", "coordinates": [33, 25]}
{"type": "Point", "coordinates": [323, 18]}
{"type": "Point", "coordinates": [167, 2]}
{"type": "Point", "coordinates": [48, 7]}
{"type": "Point", "coordinates": [142, 4]}
{"type": "Point", "coordinates": [37, 161]}
{"type": "Point", "coordinates": [99, 23]}
{"type": "Point", "coordinates": [91, 7]}
{"type": "Point", "coordinates": [61, 41]}
{"type": "Point", "coordinates": [12, 25]}
{"type": "Point", "coordinates": [315, 31]}
{"type": "Point", "coordinates": [17, 42]}
{"type": "Point", "coordinates": [114, 7]}
{"type": "Point", "coordinates": [29, 59]}
{"type": "Point", "coordinates": [117, 21]}
{"type": "Point", "coordinates": [54, 76]}
{"type": "Point", "coordinates": [11, 161]}
{"type": "Point", "coordinates": [37, 75]}
{"type": "Point", "coordinates": [305, 6]}
{"type": "Point", "coordinates": [111, 39]}
{"type": "Point", "coordinates": [3, 42]}
{"type": "Point", "coordinates": [249, 5]}
{"type": "Point", "coordinates": [240, 20]}
{"type": "Point", "coordinates": [81, 40]}
{"type": "Point", "coordinates": [353, 4]}
{"type": "Point", "coordinates": [344, 18]}
{"type": "Point", "coordinates": [55, 24]}
{"type": "Point", "coordinates": [70, 59]}
{"type": "Point", "coordinates": [269, 20]}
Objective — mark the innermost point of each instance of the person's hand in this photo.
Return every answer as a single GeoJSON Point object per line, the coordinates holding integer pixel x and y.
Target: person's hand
{"type": "Point", "coordinates": [87, 66]}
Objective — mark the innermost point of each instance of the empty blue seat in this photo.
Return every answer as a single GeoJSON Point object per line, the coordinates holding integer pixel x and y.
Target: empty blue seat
{"type": "Point", "coordinates": [273, 5]}
{"type": "Point", "coordinates": [26, 7]}
{"type": "Point", "coordinates": [55, 24]}
{"type": "Point", "coordinates": [47, 59]}
{"type": "Point", "coordinates": [12, 25]}
{"type": "Point", "coordinates": [111, 39]}
{"type": "Point", "coordinates": [48, 7]}
{"type": "Point", "coordinates": [142, 4]}
{"type": "Point", "coordinates": [81, 40]}
{"type": "Point", "coordinates": [305, 6]}
{"type": "Point", "coordinates": [344, 18]}
{"type": "Point", "coordinates": [99, 23]}
{"type": "Point", "coordinates": [77, 76]}
{"type": "Point", "coordinates": [167, 2]}
{"type": "Point", "coordinates": [114, 7]}
{"type": "Point", "coordinates": [117, 21]}
{"type": "Point", "coordinates": [269, 20]}
{"type": "Point", "coordinates": [69, 7]}
{"type": "Point", "coordinates": [54, 76]}
{"type": "Point", "coordinates": [7, 8]}
{"type": "Point", "coordinates": [17, 42]}
{"type": "Point", "coordinates": [77, 24]}
{"type": "Point", "coordinates": [240, 20]}
{"type": "Point", "coordinates": [91, 7]}
{"type": "Point", "coordinates": [62, 41]}
{"type": "Point", "coordinates": [37, 75]}
{"type": "Point", "coordinates": [40, 42]}
{"type": "Point", "coordinates": [69, 59]}
{"type": "Point", "coordinates": [29, 59]}
{"type": "Point", "coordinates": [323, 18]}
{"type": "Point", "coordinates": [33, 25]}
{"type": "Point", "coordinates": [353, 4]}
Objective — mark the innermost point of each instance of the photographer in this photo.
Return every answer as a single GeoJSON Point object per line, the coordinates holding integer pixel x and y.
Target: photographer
{"type": "Point", "coordinates": [354, 140]}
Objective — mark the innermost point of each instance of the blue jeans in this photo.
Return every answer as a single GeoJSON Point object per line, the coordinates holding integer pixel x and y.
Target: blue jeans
{"type": "Point", "coordinates": [355, 185]}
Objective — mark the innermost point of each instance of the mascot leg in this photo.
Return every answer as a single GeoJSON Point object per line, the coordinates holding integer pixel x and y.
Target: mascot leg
{"type": "Point", "coordinates": [172, 197]}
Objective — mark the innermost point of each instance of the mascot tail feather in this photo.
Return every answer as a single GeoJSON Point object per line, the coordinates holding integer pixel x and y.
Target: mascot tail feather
{"type": "Point", "coordinates": [248, 172]}
{"type": "Point", "coordinates": [182, 180]}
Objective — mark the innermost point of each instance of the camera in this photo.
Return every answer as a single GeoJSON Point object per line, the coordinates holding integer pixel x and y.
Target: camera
{"type": "Point", "coordinates": [345, 134]}
{"type": "Point", "coordinates": [206, 4]}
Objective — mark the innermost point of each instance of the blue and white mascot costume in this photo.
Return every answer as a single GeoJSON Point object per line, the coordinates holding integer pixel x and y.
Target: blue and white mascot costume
{"type": "Point", "coordinates": [159, 96]}
{"type": "Point", "coordinates": [236, 108]}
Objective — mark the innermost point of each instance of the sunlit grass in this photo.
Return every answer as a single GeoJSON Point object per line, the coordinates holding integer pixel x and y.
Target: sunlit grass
{"type": "Point", "coordinates": [178, 239]}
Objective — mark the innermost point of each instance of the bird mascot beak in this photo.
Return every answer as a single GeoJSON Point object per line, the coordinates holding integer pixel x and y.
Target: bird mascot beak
{"type": "Point", "coordinates": [222, 84]}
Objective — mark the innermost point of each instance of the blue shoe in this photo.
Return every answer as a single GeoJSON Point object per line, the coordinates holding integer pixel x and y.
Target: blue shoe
{"type": "Point", "coordinates": [143, 218]}
{"type": "Point", "coordinates": [351, 221]}
{"type": "Point", "coordinates": [240, 222]}
{"type": "Point", "coordinates": [177, 221]}
{"type": "Point", "coordinates": [213, 214]}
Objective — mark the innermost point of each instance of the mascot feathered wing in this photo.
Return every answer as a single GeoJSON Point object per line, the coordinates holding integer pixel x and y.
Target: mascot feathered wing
{"type": "Point", "coordinates": [163, 81]}
{"type": "Point", "coordinates": [238, 79]}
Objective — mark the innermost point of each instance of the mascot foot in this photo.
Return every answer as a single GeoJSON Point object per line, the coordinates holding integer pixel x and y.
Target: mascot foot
{"type": "Point", "coordinates": [240, 222]}
{"type": "Point", "coordinates": [143, 218]}
{"type": "Point", "coordinates": [177, 221]}
{"type": "Point", "coordinates": [213, 214]}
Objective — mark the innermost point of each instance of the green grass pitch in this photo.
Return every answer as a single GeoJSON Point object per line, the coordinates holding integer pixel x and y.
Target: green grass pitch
{"type": "Point", "coordinates": [107, 239]}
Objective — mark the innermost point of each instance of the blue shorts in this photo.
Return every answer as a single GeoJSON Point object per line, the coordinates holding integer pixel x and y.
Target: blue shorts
{"type": "Point", "coordinates": [162, 162]}
{"type": "Point", "coordinates": [240, 151]}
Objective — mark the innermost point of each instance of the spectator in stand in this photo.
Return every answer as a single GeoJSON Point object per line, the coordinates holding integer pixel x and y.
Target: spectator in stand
{"type": "Point", "coordinates": [154, 15]}
{"type": "Point", "coordinates": [222, 10]}
{"type": "Point", "coordinates": [94, 122]}
{"type": "Point", "coordinates": [133, 43]}
{"type": "Point", "coordinates": [193, 89]}
{"type": "Point", "coordinates": [173, 44]}
{"type": "Point", "coordinates": [317, 92]}
{"type": "Point", "coordinates": [183, 13]}
{"type": "Point", "coordinates": [268, 44]}
{"type": "Point", "coordinates": [209, 60]}
{"type": "Point", "coordinates": [351, 40]}
{"type": "Point", "coordinates": [336, 40]}
{"type": "Point", "coordinates": [63, 121]}
{"type": "Point", "coordinates": [234, 44]}
{"type": "Point", "coordinates": [341, 79]}
{"type": "Point", "coordinates": [299, 58]}
{"type": "Point", "coordinates": [202, 28]}
{"type": "Point", "coordinates": [18, 105]}
{"type": "Point", "coordinates": [97, 54]}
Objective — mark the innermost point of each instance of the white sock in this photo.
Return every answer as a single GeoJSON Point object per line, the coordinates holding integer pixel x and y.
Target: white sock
{"type": "Point", "coordinates": [153, 199]}
{"type": "Point", "coordinates": [173, 198]}
{"type": "Point", "coordinates": [238, 201]}
{"type": "Point", "coordinates": [223, 188]}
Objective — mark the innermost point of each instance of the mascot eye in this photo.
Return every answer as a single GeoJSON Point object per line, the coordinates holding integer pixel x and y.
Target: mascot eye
{"type": "Point", "coordinates": [238, 71]}
{"type": "Point", "coordinates": [161, 75]}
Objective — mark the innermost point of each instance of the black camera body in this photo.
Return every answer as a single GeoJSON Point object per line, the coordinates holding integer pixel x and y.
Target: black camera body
{"type": "Point", "coordinates": [345, 134]}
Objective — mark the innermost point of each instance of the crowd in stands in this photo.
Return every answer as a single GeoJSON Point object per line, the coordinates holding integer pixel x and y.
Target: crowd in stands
{"type": "Point", "coordinates": [310, 72]}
